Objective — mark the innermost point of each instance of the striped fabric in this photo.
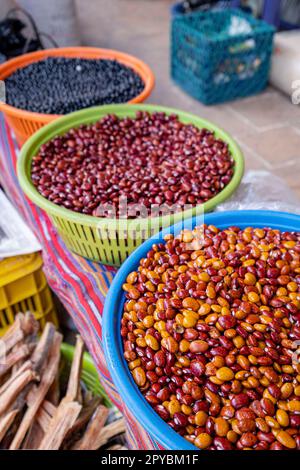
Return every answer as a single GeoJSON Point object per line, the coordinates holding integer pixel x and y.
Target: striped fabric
{"type": "Point", "coordinates": [80, 284]}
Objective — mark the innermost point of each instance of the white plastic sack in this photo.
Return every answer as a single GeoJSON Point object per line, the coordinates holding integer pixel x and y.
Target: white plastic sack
{"type": "Point", "coordinates": [15, 237]}
{"type": "Point", "coordinates": [285, 70]}
{"type": "Point", "coordinates": [262, 190]}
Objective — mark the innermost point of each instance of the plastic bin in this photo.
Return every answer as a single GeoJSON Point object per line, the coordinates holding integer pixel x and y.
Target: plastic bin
{"type": "Point", "coordinates": [25, 123]}
{"type": "Point", "coordinates": [23, 287]}
{"type": "Point", "coordinates": [215, 66]}
{"type": "Point", "coordinates": [148, 430]}
{"type": "Point", "coordinates": [110, 241]}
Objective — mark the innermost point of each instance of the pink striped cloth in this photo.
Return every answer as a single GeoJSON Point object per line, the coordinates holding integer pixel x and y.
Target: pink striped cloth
{"type": "Point", "coordinates": [80, 284]}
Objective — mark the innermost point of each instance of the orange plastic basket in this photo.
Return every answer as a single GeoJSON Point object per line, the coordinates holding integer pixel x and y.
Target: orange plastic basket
{"type": "Point", "coordinates": [25, 123]}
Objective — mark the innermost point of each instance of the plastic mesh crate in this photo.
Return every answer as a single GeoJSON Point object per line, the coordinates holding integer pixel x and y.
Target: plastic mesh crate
{"type": "Point", "coordinates": [214, 65]}
{"type": "Point", "coordinates": [23, 287]}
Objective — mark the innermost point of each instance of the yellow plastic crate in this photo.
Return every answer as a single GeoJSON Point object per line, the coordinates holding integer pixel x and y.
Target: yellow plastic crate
{"type": "Point", "coordinates": [23, 287]}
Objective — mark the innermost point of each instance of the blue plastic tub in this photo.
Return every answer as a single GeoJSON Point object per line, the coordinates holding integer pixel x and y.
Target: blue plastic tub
{"type": "Point", "coordinates": [214, 65]}
{"type": "Point", "coordinates": [147, 429]}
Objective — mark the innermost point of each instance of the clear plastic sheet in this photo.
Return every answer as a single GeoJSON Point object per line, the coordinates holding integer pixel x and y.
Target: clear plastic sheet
{"type": "Point", "coordinates": [262, 190]}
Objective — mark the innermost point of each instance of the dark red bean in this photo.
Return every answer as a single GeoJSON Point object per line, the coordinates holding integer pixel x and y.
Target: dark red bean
{"type": "Point", "coordinates": [221, 443]}
{"type": "Point", "coordinates": [133, 167]}
{"type": "Point", "coordinates": [239, 401]}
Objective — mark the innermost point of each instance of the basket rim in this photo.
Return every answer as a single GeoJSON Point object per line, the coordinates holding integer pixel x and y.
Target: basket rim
{"type": "Point", "coordinates": [61, 125]}
{"type": "Point", "coordinates": [113, 308]}
{"type": "Point", "coordinates": [9, 67]}
{"type": "Point", "coordinates": [261, 26]}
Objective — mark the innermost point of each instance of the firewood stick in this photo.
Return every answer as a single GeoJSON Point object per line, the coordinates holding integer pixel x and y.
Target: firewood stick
{"type": "Point", "coordinates": [14, 334]}
{"type": "Point", "coordinates": [31, 328]}
{"type": "Point", "coordinates": [117, 447]}
{"type": "Point", "coordinates": [68, 410]}
{"type": "Point", "coordinates": [18, 353]}
{"type": "Point", "coordinates": [87, 397]}
{"type": "Point", "coordinates": [53, 395]}
{"type": "Point", "coordinates": [74, 378]}
{"type": "Point", "coordinates": [5, 443]}
{"type": "Point", "coordinates": [110, 431]}
{"type": "Point", "coordinates": [26, 366]}
{"type": "Point", "coordinates": [6, 421]}
{"type": "Point", "coordinates": [43, 419]}
{"type": "Point", "coordinates": [23, 326]}
{"type": "Point", "coordinates": [10, 394]}
{"type": "Point", "coordinates": [93, 436]}
{"type": "Point", "coordinates": [30, 325]}
{"type": "Point", "coordinates": [40, 391]}
{"type": "Point", "coordinates": [49, 407]}
{"type": "Point", "coordinates": [33, 438]}
{"type": "Point", "coordinates": [20, 401]}
{"type": "Point", "coordinates": [42, 349]}
{"type": "Point", "coordinates": [85, 415]}
{"type": "Point", "coordinates": [44, 414]}
{"type": "Point", "coordinates": [18, 364]}
{"type": "Point", "coordinates": [46, 405]}
{"type": "Point", "coordinates": [64, 418]}
{"type": "Point", "coordinates": [80, 394]}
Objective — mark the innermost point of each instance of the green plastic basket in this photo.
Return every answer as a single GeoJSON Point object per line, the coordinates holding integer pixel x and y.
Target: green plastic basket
{"type": "Point", "coordinates": [111, 241]}
{"type": "Point", "coordinates": [89, 374]}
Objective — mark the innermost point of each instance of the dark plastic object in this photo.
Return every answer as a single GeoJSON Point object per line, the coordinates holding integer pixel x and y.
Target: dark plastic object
{"type": "Point", "coordinates": [215, 66]}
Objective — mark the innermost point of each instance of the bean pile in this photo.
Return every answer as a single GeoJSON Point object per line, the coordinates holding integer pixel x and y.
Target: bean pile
{"type": "Point", "coordinates": [153, 160]}
{"type": "Point", "coordinates": [59, 85]}
{"type": "Point", "coordinates": [210, 333]}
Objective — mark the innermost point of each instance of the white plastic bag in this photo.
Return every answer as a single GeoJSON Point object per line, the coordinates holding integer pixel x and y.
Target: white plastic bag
{"type": "Point", "coordinates": [15, 237]}
{"type": "Point", "coordinates": [286, 57]}
{"type": "Point", "coordinates": [262, 190]}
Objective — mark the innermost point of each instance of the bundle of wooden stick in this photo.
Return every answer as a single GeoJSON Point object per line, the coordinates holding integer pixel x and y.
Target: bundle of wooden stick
{"type": "Point", "coordinates": [36, 412]}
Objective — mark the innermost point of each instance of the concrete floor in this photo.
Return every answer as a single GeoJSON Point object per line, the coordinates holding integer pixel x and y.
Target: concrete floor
{"type": "Point", "coordinates": [266, 126]}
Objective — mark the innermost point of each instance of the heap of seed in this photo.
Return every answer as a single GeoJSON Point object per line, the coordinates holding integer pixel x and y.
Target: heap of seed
{"type": "Point", "coordinates": [211, 328]}
{"type": "Point", "coordinates": [152, 160]}
{"type": "Point", "coordinates": [59, 85]}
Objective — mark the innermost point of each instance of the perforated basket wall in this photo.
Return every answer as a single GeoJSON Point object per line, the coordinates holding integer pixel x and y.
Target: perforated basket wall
{"type": "Point", "coordinates": [44, 315]}
{"type": "Point", "coordinates": [110, 241]}
{"type": "Point", "coordinates": [23, 287]}
{"type": "Point", "coordinates": [215, 66]}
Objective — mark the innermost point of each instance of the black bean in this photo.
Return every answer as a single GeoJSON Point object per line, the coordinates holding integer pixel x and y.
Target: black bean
{"type": "Point", "coordinates": [59, 85]}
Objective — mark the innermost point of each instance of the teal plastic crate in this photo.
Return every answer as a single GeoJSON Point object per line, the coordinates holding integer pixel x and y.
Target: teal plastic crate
{"type": "Point", "coordinates": [214, 65]}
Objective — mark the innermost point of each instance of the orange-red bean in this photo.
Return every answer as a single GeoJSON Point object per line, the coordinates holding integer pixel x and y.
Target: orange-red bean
{"type": "Point", "coordinates": [209, 333]}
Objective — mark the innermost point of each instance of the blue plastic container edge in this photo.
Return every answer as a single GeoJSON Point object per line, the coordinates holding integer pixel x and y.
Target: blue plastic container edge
{"type": "Point", "coordinates": [113, 309]}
